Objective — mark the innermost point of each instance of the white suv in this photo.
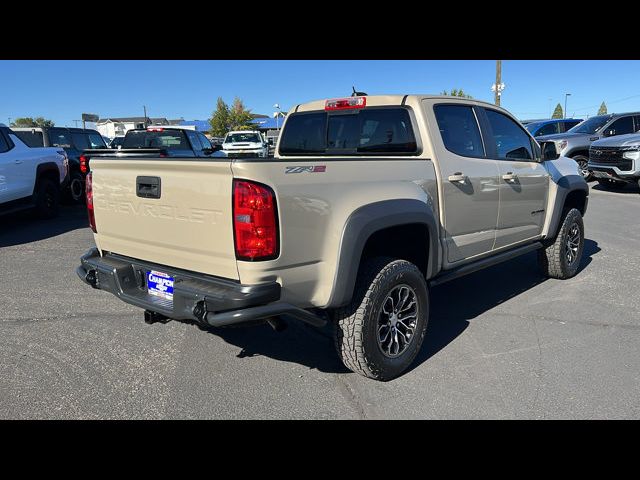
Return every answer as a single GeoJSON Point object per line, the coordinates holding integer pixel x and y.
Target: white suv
{"type": "Point", "coordinates": [30, 177]}
{"type": "Point", "coordinates": [245, 143]}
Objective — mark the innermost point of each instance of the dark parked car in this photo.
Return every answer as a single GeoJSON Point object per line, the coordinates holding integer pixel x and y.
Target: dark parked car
{"type": "Point", "coordinates": [74, 141]}
{"type": "Point", "coordinates": [552, 126]}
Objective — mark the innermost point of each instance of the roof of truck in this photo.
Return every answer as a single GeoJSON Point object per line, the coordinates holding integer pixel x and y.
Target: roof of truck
{"type": "Point", "coordinates": [382, 100]}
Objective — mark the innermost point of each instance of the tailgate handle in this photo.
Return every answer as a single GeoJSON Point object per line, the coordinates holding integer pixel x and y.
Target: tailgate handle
{"type": "Point", "coordinates": [148, 187]}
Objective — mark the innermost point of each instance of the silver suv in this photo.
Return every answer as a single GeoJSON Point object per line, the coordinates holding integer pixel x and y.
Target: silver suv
{"type": "Point", "coordinates": [576, 142]}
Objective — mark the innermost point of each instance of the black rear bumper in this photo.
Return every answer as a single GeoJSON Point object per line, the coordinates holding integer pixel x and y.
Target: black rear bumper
{"type": "Point", "coordinates": [198, 297]}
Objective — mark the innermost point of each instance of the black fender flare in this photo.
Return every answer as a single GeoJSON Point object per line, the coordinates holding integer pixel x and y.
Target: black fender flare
{"type": "Point", "coordinates": [364, 222]}
{"type": "Point", "coordinates": [566, 185]}
{"type": "Point", "coordinates": [43, 169]}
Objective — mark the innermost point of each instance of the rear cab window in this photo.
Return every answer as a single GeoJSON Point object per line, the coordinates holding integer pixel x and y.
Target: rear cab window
{"type": "Point", "coordinates": [59, 137]}
{"type": "Point", "coordinates": [32, 139]}
{"type": "Point", "coordinates": [368, 131]}
{"type": "Point", "coordinates": [167, 139]}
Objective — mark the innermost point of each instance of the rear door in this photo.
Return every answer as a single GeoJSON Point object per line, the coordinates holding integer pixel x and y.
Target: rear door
{"type": "Point", "coordinates": [469, 181]}
{"type": "Point", "coordinates": [524, 182]}
{"type": "Point", "coordinates": [183, 222]}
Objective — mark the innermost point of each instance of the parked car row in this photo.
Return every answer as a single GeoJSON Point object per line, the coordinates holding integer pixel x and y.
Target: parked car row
{"type": "Point", "coordinates": [73, 141]}
{"type": "Point", "coordinates": [30, 177]}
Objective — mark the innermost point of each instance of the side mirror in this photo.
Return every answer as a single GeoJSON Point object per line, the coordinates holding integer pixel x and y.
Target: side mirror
{"type": "Point", "coordinates": [208, 151]}
{"type": "Point", "coordinates": [549, 151]}
{"type": "Point", "coordinates": [610, 133]}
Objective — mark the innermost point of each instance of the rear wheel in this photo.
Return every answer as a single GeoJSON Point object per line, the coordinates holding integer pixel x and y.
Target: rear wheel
{"type": "Point", "coordinates": [76, 188]}
{"type": "Point", "coordinates": [379, 334]}
{"type": "Point", "coordinates": [583, 166]}
{"type": "Point", "coordinates": [47, 198]}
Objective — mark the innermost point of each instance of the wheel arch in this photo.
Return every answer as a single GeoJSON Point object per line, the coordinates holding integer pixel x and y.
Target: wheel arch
{"type": "Point", "coordinates": [369, 231]}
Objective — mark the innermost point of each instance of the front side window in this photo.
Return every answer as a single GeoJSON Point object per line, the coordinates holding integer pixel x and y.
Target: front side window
{"type": "Point", "coordinates": [620, 127]}
{"type": "Point", "coordinates": [367, 131]}
{"type": "Point", "coordinates": [570, 124]}
{"type": "Point", "coordinates": [204, 141]}
{"type": "Point", "coordinates": [511, 142]}
{"type": "Point", "coordinates": [195, 141]}
{"type": "Point", "coordinates": [459, 130]}
{"type": "Point", "coordinates": [96, 141]}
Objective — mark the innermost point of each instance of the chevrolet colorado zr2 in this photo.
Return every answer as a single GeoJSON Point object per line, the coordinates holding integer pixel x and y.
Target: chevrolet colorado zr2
{"type": "Point", "coordinates": [368, 202]}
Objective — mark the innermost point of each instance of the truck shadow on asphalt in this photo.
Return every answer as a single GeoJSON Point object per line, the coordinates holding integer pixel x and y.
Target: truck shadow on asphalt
{"type": "Point", "coordinates": [630, 188]}
{"type": "Point", "coordinates": [24, 227]}
{"type": "Point", "coordinates": [453, 306]}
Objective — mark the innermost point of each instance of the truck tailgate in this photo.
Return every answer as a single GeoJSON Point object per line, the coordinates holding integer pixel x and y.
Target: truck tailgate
{"type": "Point", "coordinates": [185, 222]}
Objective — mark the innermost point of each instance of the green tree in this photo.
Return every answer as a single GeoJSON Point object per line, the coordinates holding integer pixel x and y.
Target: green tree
{"type": "Point", "coordinates": [240, 116]}
{"type": "Point", "coordinates": [31, 122]}
{"type": "Point", "coordinates": [225, 119]}
{"type": "Point", "coordinates": [456, 93]}
{"type": "Point", "coordinates": [557, 113]}
{"type": "Point", "coordinates": [220, 120]}
{"type": "Point", "coordinates": [603, 109]}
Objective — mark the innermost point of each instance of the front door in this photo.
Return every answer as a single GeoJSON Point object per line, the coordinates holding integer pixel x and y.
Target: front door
{"type": "Point", "coordinates": [468, 178]}
{"type": "Point", "coordinates": [524, 183]}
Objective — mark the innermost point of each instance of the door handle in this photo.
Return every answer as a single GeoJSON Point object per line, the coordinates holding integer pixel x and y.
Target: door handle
{"type": "Point", "coordinates": [18, 161]}
{"type": "Point", "coordinates": [457, 177]}
{"type": "Point", "coordinates": [510, 177]}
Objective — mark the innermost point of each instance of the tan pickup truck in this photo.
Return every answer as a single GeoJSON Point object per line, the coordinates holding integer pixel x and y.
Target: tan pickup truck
{"type": "Point", "coordinates": [368, 202]}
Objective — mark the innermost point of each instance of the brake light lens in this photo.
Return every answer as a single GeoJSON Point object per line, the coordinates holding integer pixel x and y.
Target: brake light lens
{"type": "Point", "coordinates": [89, 191]}
{"type": "Point", "coordinates": [345, 103]}
{"type": "Point", "coordinates": [254, 221]}
{"type": "Point", "coordinates": [84, 164]}
{"type": "Point", "coordinates": [155, 129]}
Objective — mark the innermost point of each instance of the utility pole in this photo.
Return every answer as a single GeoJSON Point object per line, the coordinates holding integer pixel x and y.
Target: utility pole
{"type": "Point", "coordinates": [498, 87]}
{"type": "Point", "coordinates": [76, 123]}
{"type": "Point", "coordinates": [9, 121]}
{"type": "Point", "coordinates": [145, 115]}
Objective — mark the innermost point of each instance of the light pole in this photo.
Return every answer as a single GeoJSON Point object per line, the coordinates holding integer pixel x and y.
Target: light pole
{"type": "Point", "coordinates": [277, 114]}
{"type": "Point", "coordinates": [565, 105]}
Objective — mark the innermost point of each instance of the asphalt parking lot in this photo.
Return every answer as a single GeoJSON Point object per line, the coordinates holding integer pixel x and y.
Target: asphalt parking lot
{"type": "Point", "coordinates": [501, 343]}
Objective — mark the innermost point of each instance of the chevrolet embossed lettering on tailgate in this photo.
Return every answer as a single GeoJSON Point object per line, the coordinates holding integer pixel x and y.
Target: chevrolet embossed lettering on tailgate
{"type": "Point", "coordinates": [186, 223]}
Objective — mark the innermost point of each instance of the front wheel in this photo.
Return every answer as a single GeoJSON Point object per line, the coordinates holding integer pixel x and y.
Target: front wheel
{"type": "Point", "coordinates": [561, 259]}
{"type": "Point", "coordinates": [379, 334]}
{"type": "Point", "coordinates": [47, 198]}
{"type": "Point", "coordinates": [583, 166]}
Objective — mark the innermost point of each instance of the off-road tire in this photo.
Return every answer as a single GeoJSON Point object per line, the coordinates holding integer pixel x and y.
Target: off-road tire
{"type": "Point", "coordinates": [47, 198]}
{"type": "Point", "coordinates": [582, 161]}
{"type": "Point", "coordinates": [356, 325]}
{"type": "Point", "coordinates": [74, 193]}
{"type": "Point", "coordinates": [553, 258]}
{"type": "Point", "coordinates": [613, 184]}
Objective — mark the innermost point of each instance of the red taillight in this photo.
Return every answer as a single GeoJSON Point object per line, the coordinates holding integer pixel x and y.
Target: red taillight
{"type": "Point", "coordinates": [254, 221]}
{"type": "Point", "coordinates": [84, 164]}
{"type": "Point", "coordinates": [155, 129]}
{"type": "Point", "coordinates": [345, 103]}
{"type": "Point", "coordinates": [89, 190]}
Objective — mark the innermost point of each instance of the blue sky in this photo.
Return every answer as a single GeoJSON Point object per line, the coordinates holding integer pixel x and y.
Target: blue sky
{"type": "Point", "coordinates": [62, 90]}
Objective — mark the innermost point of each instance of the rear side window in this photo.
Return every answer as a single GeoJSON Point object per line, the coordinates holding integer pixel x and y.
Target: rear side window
{"type": "Point", "coordinates": [459, 130]}
{"type": "Point", "coordinates": [548, 129]}
{"type": "Point", "coordinates": [511, 141]}
{"type": "Point", "coordinates": [167, 139]}
{"type": "Point", "coordinates": [59, 138]}
{"type": "Point", "coordinates": [31, 139]}
{"type": "Point", "coordinates": [373, 130]}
